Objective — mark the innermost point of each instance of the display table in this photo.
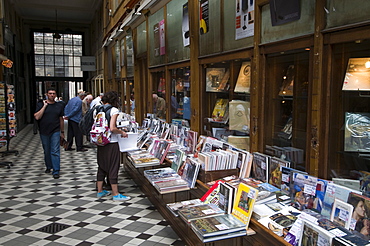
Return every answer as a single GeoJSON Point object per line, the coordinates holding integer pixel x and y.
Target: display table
{"type": "Point", "coordinates": [261, 235]}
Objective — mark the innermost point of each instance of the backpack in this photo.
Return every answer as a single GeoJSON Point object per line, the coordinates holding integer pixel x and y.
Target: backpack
{"type": "Point", "coordinates": [87, 121]}
{"type": "Point", "coordinates": [100, 132]}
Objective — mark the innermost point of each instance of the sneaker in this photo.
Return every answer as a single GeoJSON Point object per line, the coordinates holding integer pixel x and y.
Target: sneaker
{"type": "Point", "coordinates": [121, 198]}
{"type": "Point", "coordinates": [103, 193]}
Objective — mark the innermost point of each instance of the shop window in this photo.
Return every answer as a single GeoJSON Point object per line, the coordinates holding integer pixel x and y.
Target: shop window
{"type": "Point", "coordinates": [180, 94]}
{"type": "Point", "coordinates": [227, 86]}
{"type": "Point", "coordinates": [287, 106]}
{"type": "Point", "coordinates": [349, 121]}
{"type": "Point", "coordinates": [159, 88]}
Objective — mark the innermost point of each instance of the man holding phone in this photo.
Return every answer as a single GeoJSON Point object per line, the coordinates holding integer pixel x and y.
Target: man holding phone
{"type": "Point", "coordinates": [49, 116]}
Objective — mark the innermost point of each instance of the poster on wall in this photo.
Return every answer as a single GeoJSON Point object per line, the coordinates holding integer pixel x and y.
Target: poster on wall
{"type": "Point", "coordinates": [284, 11]}
{"type": "Point", "coordinates": [185, 25]}
{"type": "Point", "coordinates": [244, 18]}
{"type": "Point", "coordinates": [244, 78]}
{"type": "Point", "coordinates": [357, 132]}
{"type": "Point", "coordinates": [203, 16]}
{"type": "Point", "coordinates": [156, 39]}
{"type": "Point", "coordinates": [357, 77]}
{"type": "Point", "coordinates": [162, 40]}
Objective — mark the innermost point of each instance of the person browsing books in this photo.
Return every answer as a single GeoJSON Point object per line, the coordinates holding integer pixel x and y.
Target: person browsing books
{"type": "Point", "coordinates": [159, 106]}
{"type": "Point", "coordinates": [108, 156]}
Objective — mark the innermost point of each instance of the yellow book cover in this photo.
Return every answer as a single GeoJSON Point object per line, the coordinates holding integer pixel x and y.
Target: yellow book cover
{"type": "Point", "coordinates": [244, 203]}
{"type": "Point", "coordinates": [220, 111]}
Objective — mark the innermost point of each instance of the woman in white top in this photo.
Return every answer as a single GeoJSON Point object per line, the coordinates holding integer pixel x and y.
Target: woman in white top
{"type": "Point", "coordinates": [109, 155]}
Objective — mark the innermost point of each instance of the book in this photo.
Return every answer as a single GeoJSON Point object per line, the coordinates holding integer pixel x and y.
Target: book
{"type": "Point", "coordinates": [160, 174]}
{"type": "Point", "coordinates": [190, 171]}
{"type": "Point", "coordinates": [287, 178]}
{"type": "Point", "coordinates": [244, 202]}
{"type": "Point", "coordinates": [217, 225]}
{"type": "Point", "coordinates": [191, 141]}
{"type": "Point", "coordinates": [349, 183]}
{"type": "Point", "coordinates": [175, 206]}
{"type": "Point", "coordinates": [178, 160]}
{"type": "Point", "coordinates": [266, 209]}
{"type": "Point", "coordinates": [226, 197]}
{"type": "Point", "coordinates": [225, 236]}
{"type": "Point", "coordinates": [240, 142]}
{"type": "Point", "coordinates": [212, 195]}
{"type": "Point", "coordinates": [312, 234]}
{"type": "Point", "coordinates": [221, 110]}
{"type": "Point", "coordinates": [214, 78]}
{"type": "Point", "coordinates": [334, 191]}
{"type": "Point", "coordinates": [260, 166]}
{"type": "Point", "coordinates": [365, 183]}
{"type": "Point", "coordinates": [274, 171]}
{"type": "Point", "coordinates": [171, 185]}
{"type": "Point", "coordinates": [244, 77]}
{"type": "Point", "coordinates": [360, 223]}
{"type": "Point", "coordinates": [239, 116]}
{"type": "Point", "coordinates": [342, 213]}
{"type": "Point", "coordinates": [199, 211]}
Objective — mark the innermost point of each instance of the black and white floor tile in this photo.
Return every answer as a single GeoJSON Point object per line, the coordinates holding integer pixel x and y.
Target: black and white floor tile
{"type": "Point", "coordinates": [36, 209]}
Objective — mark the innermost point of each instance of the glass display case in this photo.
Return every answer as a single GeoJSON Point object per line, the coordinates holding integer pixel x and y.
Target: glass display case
{"type": "Point", "coordinates": [287, 76]}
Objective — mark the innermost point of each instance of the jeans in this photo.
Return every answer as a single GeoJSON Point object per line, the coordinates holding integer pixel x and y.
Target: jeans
{"type": "Point", "coordinates": [50, 144]}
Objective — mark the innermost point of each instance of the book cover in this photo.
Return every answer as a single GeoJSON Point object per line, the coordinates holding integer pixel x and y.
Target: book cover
{"type": "Point", "coordinates": [349, 183]}
{"type": "Point", "coordinates": [244, 77]}
{"type": "Point", "coordinates": [220, 111]}
{"type": "Point", "coordinates": [214, 77]}
{"type": "Point", "coordinates": [170, 184]}
{"type": "Point", "coordinates": [191, 141]}
{"type": "Point", "coordinates": [312, 234]}
{"type": "Point", "coordinates": [239, 115]}
{"type": "Point", "coordinates": [244, 202]}
{"type": "Point", "coordinates": [212, 195]}
{"type": "Point", "coordinates": [342, 213]}
{"type": "Point", "coordinates": [159, 174]}
{"type": "Point", "coordinates": [303, 191]}
{"type": "Point", "coordinates": [226, 197]}
{"type": "Point", "coordinates": [199, 211]}
{"type": "Point", "coordinates": [191, 171]}
{"type": "Point", "coordinates": [260, 166]}
{"type": "Point", "coordinates": [287, 178]}
{"type": "Point", "coordinates": [361, 209]}
{"type": "Point", "coordinates": [178, 159]}
{"type": "Point", "coordinates": [217, 225]}
{"type": "Point", "coordinates": [175, 206]}
{"type": "Point", "coordinates": [334, 191]}
{"type": "Point", "coordinates": [226, 236]}
{"type": "Point", "coordinates": [365, 183]}
{"type": "Point", "coordinates": [275, 171]}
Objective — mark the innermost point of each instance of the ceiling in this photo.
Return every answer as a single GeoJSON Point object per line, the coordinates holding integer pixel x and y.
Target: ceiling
{"type": "Point", "coordinates": [69, 11]}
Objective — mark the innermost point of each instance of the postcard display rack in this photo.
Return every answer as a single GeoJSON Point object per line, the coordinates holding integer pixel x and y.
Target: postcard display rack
{"type": "Point", "coordinates": [8, 123]}
{"type": "Point", "coordinates": [263, 236]}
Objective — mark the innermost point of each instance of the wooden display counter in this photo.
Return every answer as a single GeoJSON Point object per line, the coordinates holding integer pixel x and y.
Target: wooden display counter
{"type": "Point", "coordinates": [261, 237]}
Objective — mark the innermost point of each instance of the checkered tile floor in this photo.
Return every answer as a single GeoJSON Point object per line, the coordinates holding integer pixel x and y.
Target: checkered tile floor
{"type": "Point", "coordinates": [36, 209]}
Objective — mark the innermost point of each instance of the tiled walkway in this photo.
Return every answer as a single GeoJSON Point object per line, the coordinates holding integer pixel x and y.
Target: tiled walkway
{"type": "Point", "coordinates": [36, 209]}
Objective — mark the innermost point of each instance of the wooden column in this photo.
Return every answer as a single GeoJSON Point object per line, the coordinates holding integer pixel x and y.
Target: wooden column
{"type": "Point", "coordinates": [316, 124]}
{"type": "Point", "coordinates": [195, 79]}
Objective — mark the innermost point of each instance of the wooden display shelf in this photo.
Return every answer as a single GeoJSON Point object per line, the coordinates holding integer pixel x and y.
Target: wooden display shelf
{"type": "Point", "coordinates": [261, 235]}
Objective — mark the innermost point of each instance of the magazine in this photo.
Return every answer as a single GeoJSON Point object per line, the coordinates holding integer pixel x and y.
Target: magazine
{"type": "Point", "coordinates": [342, 213]}
{"type": "Point", "coordinates": [199, 211]}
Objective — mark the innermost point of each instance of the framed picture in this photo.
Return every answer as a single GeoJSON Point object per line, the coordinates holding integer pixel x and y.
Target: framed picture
{"type": "Point", "coordinates": [341, 213]}
{"type": "Point", "coordinates": [357, 132]}
{"type": "Point", "coordinates": [214, 78]}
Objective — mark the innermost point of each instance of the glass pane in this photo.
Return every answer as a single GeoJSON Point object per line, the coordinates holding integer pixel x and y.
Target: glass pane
{"type": "Point", "coordinates": [69, 71]}
{"type": "Point", "coordinates": [39, 71]}
{"type": "Point", "coordinates": [141, 38]}
{"type": "Point", "coordinates": [58, 49]}
{"type": "Point", "coordinates": [77, 50]}
{"type": "Point", "coordinates": [49, 49]}
{"type": "Point", "coordinates": [38, 37]}
{"type": "Point", "coordinates": [59, 72]}
{"type": "Point", "coordinates": [49, 60]}
{"type": "Point", "coordinates": [78, 72]}
{"type": "Point", "coordinates": [349, 124]}
{"type": "Point", "coordinates": [130, 56]}
{"type": "Point", "coordinates": [59, 61]}
{"type": "Point", "coordinates": [67, 39]}
{"type": "Point", "coordinates": [77, 39]}
{"type": "Point", "coordinates": [39, 59]}
{"type": "Point", "coordinates": [77, 61]}
{"type": "Point", "coordinates": [155, 57]}
{"type": "Point", "coordinates": [39, 48]}
{"type": "Point", "coordinates": [49, 71]}
{"type": "Point", "coordinates": [68, 50]}
{"type": "Point", "coordinates": [159, 86]}
{"type": "Point", "coordinates": [180, 93]}
{"type": "Point", "coordinates": [48, 38]}
{"type": "Point", "coordinates": [287, 106]}
{"type": "Point", "coordinates": [68, 60]}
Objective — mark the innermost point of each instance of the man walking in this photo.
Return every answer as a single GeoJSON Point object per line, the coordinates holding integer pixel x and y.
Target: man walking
{"type": "Point", "coordinates": [73, 113]}
{"type": "Point", "coordinates": [49, 116]}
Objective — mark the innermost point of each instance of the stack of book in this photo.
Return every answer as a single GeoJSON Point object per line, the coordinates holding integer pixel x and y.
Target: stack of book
{"type": "Point", "coordinates": [142, 158]}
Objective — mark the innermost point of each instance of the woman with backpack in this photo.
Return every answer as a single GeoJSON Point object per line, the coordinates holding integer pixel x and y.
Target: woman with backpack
{"type": "Point", "coordinates": [109, 155]}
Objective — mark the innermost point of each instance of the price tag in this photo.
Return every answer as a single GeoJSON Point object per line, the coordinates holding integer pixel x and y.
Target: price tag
{"type": "Point", "coordinates": [222, 227]}
{"type": "Point", "coordinates": [352, 225]}
{"type": "Point", "coordinates": [208, 211]}
{"type": "Point", "coordinates": [185, 202]}
{"type": "Point", "coordinates": [285, 178]}
{"type": "Point", "coordinates": [339, 233]}
{"type": "Point", "coordinates": [284, 197]}
{"type": "Point", "coordinates": [330, 189]}
{"type": "Point", "coordinates": [310, 189]}
{"type": "Point", "coordinates": [343, 214]}
{"type": "Point", "coordinates": [245, 128]}
{"type": "Point", "coordinates": [263, 166]}
{"type": "Point", "coordinates": [252, 194]}
{"type": "Point", "coordinates": [322, 241]}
